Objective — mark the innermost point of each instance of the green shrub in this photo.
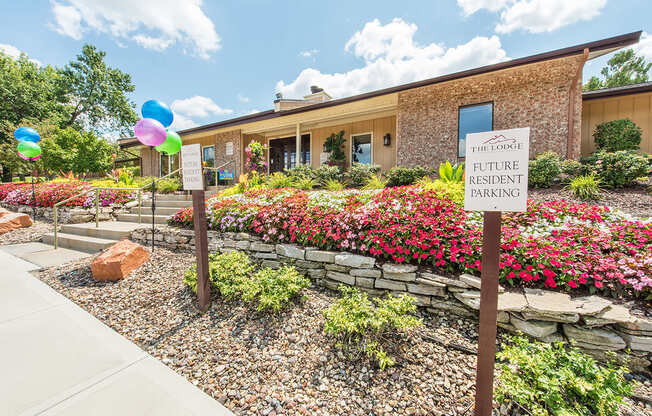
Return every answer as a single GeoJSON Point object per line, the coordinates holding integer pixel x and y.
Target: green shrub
{"type": "Point", "coordinates": [451, 173]}
{"type": "Point", "coordinates": [168, 185]}
{"type": "Point", "coordinates": [572, 168]}
{"type": "Point", "coordinates": [333, 185]}
{"type": "Point", "coordinates": [453, 191]}
{"type": "Point", "coordinates": [585, 187]}
{"type": "Point", "coordinates": [278, 180]}
{"type": "Point", "coordinates": [301, 172]}
{"type": "Point", "coordinates": [304, 183]}
{"type": "Point", "coordinates": [551, 379]}
{"type": "Point", "coordinates": [360, 173]}
{"type": "Point", "coordinates": [360, 325]}
{"type": "Point", "coordinates": [612, 136]}
{"type": "Point", "coordinates": [617, 169]}
{"type": "Point", "coordinates": [544, 170]}
{"type": "Point", "coordinates": [399, 175]}
{"type": "Point", "coordinates": [334, 145]}
{"type": "Point", "coordinates": [326, 173]}
{"type": "Point", "coordinates": [235, 277]}
{"type": "Point", "coordinates": [375, 182]}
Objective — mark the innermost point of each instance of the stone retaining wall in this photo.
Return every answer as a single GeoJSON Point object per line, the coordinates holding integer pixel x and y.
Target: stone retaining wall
{"type": "Point", "coordinates": [71, 215]}
{"type": "Point", "coordinates": [596, 324]}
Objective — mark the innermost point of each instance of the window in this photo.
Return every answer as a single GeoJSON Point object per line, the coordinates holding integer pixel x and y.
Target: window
{"type": "Point", "coordinates": [361, 149]}
{"type": "Point", "coordinates": [168, 164]}
{"type": "Point", "coordinates": [473, 119]}
{"type": "Point", "coordinates": [208, 156]}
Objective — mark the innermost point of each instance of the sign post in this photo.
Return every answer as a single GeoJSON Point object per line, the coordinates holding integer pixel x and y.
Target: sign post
{"type": "Point", "coordinates": [495, 181]}
{"type": "Point", "coordinates": [193, 180]}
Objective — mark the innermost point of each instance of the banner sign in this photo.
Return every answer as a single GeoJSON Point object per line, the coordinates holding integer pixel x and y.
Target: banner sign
{"type": "Point", "coordinates": [191, 167]}
{"type": "Point", "coordinates": [226, 175]}
{"type": "Point", "coordinates": [496, 170]}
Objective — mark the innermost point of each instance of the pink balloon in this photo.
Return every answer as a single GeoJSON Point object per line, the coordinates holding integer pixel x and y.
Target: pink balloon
{"type": "Point", "coordinates": [150, 132]}
{"type": "Point", "coordinates": [29, 158]}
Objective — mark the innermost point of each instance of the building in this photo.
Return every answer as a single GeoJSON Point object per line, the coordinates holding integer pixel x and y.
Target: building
{"type": "Point", "coordinates": [420, 123]}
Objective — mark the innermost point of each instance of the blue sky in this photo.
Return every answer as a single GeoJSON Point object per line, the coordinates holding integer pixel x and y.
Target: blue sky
{"type": "Point", "coordinates": [214, 60]}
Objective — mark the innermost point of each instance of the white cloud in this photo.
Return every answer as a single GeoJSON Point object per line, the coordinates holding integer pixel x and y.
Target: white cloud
{"type": "Point", "coordinates": [243, 99]}
{"type": "Point", "coordinates": [252, 111]}
{"type": "Point", "coordinates": [154, 24]}
{"type": "Point", "coordinates": [309, 53]}
{"type": "Point", "coordinates": [391, 57]}
{"type": "Point", "coordinates": [198, 106]}
{"type": "Point", "coordinates": [535, 16]}
{"type": "Point", "coordinates": [181, 123]}
{"type": "Point", "coordinates": [644, 47]}
{"type": "Point", "coordinates": [14, 52]}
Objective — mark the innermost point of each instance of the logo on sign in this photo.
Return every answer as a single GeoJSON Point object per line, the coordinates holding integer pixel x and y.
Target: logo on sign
{"type": "Point", "coordinates": [226, 174]}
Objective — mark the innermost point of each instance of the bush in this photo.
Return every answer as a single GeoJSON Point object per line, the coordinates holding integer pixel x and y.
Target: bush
{"type": "Point", "coordinates": [550, 379]}
{"type": "Point", "coordinates": [453, 191]}
{"type": "Point", "coordinates": [301, 172]}
{"type": "Point", "coordinates": [304, 183]}
{"type": "Point", "coordinates": [360, 173]}
{"type": "Point", "coordinates": [585, 187]}
{"type": "Point", "coordinates": [544, 170]}
{"type": "Point", "coordinates": [234, 276]}
{"type": "Point", "coordinates": [451, 173]}
{"type": "Point", "coordinates": [616, 135]}
{"type": "Point", "coordinates": [572, 168]}
{"type": "Point", "coordinates": [278, 180]}
{"type": "Point", "coordinates": [400, 176]}
{"type": "Point", "coordinates": [326, 173]}
{"type": "Point", "coordinates": [617, 169]}
{"type": "Point", "coordinates": [375, 182]}
{"type": "Point", "coordinates": [167, 185]}
{"type": "Point", "coordinates": [360, 326]}
{"type": "Point", "coordinates": [333, 185]}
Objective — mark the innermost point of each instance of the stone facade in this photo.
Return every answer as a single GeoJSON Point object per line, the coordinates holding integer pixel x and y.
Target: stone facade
{"type": "Point", "coordinates": [596, 324]}
{"type": "Point", "coordinates": [71, 215]}
{"type": "Point", "coordinates": [535, 95]}
{"type": "Point", "coordinates": [221, 139]}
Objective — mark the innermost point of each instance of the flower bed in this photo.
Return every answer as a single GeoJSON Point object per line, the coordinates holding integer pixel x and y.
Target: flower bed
{"type": "Point", "coordinates": [47, 194]}
{"type": "Point", "coordinates": [559, 244]}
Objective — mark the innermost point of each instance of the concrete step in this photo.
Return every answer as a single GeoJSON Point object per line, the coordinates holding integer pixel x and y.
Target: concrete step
{"type": "Point", "coordinates": [146, 219]}
{"type": "Point", "coordinates": [158, 211]}
{"type": "Point", "coordinates": [111, 230]}
{"type": "Point", "coordinates": [79, 242]}
{"type": "Point", "coordinates": [164, 203]}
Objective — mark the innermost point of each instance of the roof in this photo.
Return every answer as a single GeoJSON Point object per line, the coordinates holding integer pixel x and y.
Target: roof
{"type": "Point", "coordinates": [605, 46]}
{"type": "Point", "coordinates": [616, 91]}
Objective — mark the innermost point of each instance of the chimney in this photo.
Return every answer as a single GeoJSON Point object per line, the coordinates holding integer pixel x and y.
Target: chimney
{"type": "Point", "coordinates": [317, 94]}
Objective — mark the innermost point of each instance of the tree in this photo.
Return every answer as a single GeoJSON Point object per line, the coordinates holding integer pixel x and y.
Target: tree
{"type": "Point", "coordinates": [82, 152]}
{"type": "Point", "coordinates": [624, 68]}
{"type": "Point", "coordinates": [97, 94]}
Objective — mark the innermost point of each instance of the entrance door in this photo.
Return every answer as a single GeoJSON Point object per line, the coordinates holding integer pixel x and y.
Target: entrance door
{"type": "Point", "coordinates": [283, 153]}
{"type": "Point", "coordinates": [208, 156]}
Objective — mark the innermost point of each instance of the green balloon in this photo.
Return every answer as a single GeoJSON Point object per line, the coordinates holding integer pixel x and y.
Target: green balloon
{"type": "Point", "coordinates": [171, 145]}
{"type": "Point", "coordinates": [29, 149]}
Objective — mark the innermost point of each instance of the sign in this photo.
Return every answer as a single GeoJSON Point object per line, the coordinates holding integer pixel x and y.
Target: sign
{"type": "Point", "coordinates": [229, 148]}
{"type": "Point", "coordinates": [191, 168]}
{"type": "Point", "coordinates": [323, 157]}
{"type": "Point", "coordinates": [496, 170]}
{"type": "Point", "coordinates": [225, 174]}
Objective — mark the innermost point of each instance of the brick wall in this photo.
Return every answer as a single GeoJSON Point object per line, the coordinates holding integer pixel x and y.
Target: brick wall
{"type": "Point", "coordinates": [535, 95]}
{"type": "Point", "coordinates": [221, 139]}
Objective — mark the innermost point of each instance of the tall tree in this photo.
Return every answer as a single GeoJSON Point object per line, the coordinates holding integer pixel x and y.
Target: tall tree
{"type": "Point", "coordinates": [97, 93]}
{"type": "Point", "coordinates": [624, 68]}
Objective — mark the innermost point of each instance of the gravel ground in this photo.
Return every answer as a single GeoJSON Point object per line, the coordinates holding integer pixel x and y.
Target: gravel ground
{"type": "Point", "coordinates": [26, 235]}
{"type": "Point", "coordinates": [636, 201]}
{"type": "Point", "coordinates": [274, 365]}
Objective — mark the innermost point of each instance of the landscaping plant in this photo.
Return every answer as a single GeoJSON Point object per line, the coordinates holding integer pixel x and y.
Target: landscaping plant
{"type": "Point", "coordinates": [360, 173]}
{"type": "Point", "coordinates": [555, 379]}
{"type": "Point", "coordinates": [334, 147]}
{"type": "Point", "coordinates": [617, 169]}
{"type": "Point", "coordinates": [364, 327]}
{"type": "Point", "coordinates": [256, 157]}
{"type": "Point", "coordinates": [333, 185]}
{"type": "Point", "coordinates": [572, 168]}
{"type": "Point", "coordinates": [612, 136]}
{"type": "Point", "coordinates": [544, 170]}
{"type": "Point", "coordinates": [400, 175]}
{"type": "Point", "coordinates": [327, 173]}
{"type": "Point", "coordinates": [451, 173]}
{"type": "Point", "coordinates": [374, 182]}
{"type": "Point", "coordinates": [585, 187]}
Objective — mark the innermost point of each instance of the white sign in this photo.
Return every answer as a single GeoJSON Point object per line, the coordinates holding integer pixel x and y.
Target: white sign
{"type": "Point", "coordinates": [323, 157]}
{"type": "Point", "coordinates": [229, 148]}
{"type": "Point", "coordinates": [191, 168]}
{"type": "Point", "coordinates": [496, 170]}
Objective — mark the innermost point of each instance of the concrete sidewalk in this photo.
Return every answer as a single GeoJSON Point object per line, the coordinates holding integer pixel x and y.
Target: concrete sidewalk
{"type": "Point", "coordinates": [57, 359]}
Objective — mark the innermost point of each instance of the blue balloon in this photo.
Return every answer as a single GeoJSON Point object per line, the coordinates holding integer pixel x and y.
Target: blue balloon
{"type": "Point", "coordinates": [158, 111]}
{"type": "Point", "coordinates": [26, 134]}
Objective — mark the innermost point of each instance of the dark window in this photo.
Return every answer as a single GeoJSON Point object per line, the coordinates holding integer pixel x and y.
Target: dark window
{"type": "Point", "coordinates": [473, 119]}
{"type": "Point", "coordinates": [361, 149]}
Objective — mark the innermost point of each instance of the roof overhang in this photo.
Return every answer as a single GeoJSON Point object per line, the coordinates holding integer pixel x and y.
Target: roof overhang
{"type": "Point", "coordinates": [618, 91]}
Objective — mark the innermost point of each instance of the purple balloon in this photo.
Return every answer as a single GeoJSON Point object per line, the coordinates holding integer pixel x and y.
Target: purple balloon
{"type": "Point", "coordinates": [150, 132]}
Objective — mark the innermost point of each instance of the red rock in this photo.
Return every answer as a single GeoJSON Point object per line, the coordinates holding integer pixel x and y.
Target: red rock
{"type": "Point", "coordinates": [4, 212]}
{"type": "Point", "coordinates": [119, 260]}
{"type": "Point", "coordinates": [13, 221]}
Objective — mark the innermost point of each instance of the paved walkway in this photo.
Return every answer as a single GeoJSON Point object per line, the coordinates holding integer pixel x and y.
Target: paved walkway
{"type": "Point", "coordinates": [57, 359]}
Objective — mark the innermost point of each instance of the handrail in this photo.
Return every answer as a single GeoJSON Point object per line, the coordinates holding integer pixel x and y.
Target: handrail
{"type": "Point", "coordinates": [219, 167]}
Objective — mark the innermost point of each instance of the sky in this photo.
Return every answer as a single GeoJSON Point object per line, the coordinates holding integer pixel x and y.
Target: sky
{"type": "Point", "coordinates": [213, 60]}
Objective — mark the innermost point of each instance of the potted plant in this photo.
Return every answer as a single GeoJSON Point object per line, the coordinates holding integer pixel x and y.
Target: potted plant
{"type": "Point", "coordinates": [334, 147]}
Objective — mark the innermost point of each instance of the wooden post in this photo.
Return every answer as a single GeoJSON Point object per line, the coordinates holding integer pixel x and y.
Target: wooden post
{"type": "Point", "coordinates": [484, 384]}
{"type": "Point", "coordinates": [201, 249]}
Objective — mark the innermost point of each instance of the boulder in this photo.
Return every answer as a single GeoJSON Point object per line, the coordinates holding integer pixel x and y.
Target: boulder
{"type": "Point", "coordinates": [14, 221]}
{"type": "Point", "coordinates": [536, 329]}
{"type": "Point", "coordinates": [428, 290]}
{"type": "Point", "coordinates": [3, 212]}
{"type": "Point", "coordinates": [597, 339]}
{"type": "Point", "coordinates": [365, 273]}
{"type": "Point", "coordinates": [550, 306]}
{"type": "Point", "coordinates": [341, 277]}
{"type": "Point", "coordinates": [511, 302]}
{"type": "Point", "coordinates": [355, 261]}
{"type": "Point", "coordinates": [291, 251]}
{"type": "Point", "coordinates": [475, 282]}
{"type": "Point", "coordinates": [321, 256]}
{"type": "Point", "coordinates": [614, 314]}
{"type": "Point", "coordinates": [445, 280]}
{"type": "Point", "coordinates": [119, 260]}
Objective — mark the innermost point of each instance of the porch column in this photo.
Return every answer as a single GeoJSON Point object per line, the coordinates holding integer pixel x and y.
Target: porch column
{"type": "Point", "coordinates": [298, 144]}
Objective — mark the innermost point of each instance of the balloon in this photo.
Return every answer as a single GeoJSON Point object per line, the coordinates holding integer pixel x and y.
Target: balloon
{"type": "Point", "coordinates": [150, 132]}
{"type": "Point", "coordinates": [29, 158]}
{"type": "Point", "coordinates": [29, 149]}
{"type": "Point", "coordinates": [172, 143]}
{"type": "Point", "coordinates": [26, 133]}
{"type": "Point", "coordinates": [158, 111]}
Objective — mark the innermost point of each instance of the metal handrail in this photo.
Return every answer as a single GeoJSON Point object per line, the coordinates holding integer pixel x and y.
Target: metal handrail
{"type": "Point", "coordinates": [142, 188]}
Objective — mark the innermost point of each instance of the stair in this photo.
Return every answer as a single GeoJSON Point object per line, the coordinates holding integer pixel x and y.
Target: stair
{"type": "Point", "coordinates": [147, 211]}
{"type": "Point", "coordinates": [79, 242]}
{"type": "Point", "coordinates": [145, 218]}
